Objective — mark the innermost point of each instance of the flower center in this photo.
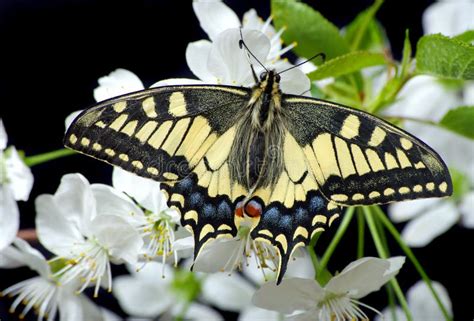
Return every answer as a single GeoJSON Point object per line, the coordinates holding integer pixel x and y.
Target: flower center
{"type": "Point", "coordinates": [159, 232]}
{"type": "Point", "coordinates": [90, 266]}
{"type": "Point", "coordinates": [342, 307]}
{"type": "Point", "coordinates": [37, 293]}
{"type": "Point", "coordinates": [263, 253]}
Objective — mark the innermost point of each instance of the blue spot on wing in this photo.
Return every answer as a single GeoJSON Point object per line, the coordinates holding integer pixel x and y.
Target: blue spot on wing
{"type": "Point", "coordinates": [224, 209]}
{"type": "Point", "coordinates": [196, 200]}
{"type": "Point", "coordinates": [316, 203]}
{"type": "Point", "coordinates": [209, 211]}
{"type": "Point", "coordinates": [273, 214]}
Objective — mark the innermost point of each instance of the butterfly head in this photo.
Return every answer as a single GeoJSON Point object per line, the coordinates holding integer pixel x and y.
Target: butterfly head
{"type": "Point", "coordinates": [265, 75]}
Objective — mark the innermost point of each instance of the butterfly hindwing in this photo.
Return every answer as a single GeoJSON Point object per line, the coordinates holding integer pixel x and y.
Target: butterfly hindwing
{"type": "Point", "coordinates": [293, 211]}
{"type": "Point", "coordinates": [359, 159]}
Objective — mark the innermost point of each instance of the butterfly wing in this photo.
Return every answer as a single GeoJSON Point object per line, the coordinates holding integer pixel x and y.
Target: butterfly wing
{"type": "Point", "coordinates": [178, 135]}
{"type": "Point", "coordinates": [359, 159]}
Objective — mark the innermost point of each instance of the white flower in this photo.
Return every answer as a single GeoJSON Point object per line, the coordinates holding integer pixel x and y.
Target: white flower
{"type": "Point", "coordinates": [337, 300]}
{"type": "Point", "coordinates": [16, 181]}
{"type": "Point", "coordinates": [85, 225]}
{"type": "Point", "coordinates": [421, 303]}
{"type": "Point", "coordinates": [155, 290]}
{"type": "Point", "coordinates": [222, 61]}
{"type": "Point", "coordinates": [159, 225]}
{"type": "Point", "coordinates": [234, 253]}
{"type": "Point", "coordinates": [449, 17]}
{"type": "Point", "coordinates": [233, 292]}
{"type": "Point", "coordinates": [43, 292]}
{"type": "Point", "coordinates": [118, 82]}
{"type": "Point", "coordinates": [430, 218]}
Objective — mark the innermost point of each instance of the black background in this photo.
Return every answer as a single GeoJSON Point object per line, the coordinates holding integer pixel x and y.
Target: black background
{"type": "Point", "coordinates": [52, 53]}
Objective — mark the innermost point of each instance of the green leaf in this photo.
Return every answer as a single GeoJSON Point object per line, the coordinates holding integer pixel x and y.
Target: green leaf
{"type": "Point", "coordinates": [347, 64]}
{"type": "Point", "coordinates": [364, 32]}
{"type": "Point", "coordinates": [460, 120]}
{"type": "Point", "coordinates": [445, 57]}
{"type": "Point", "coordinates": [467, 36]}
{"type": "Point", "coordinates": [406, 57]}
{"type": "Point", "coordinates": [308, 28]}
{"type": "Point", "coordinates": [460, 184]}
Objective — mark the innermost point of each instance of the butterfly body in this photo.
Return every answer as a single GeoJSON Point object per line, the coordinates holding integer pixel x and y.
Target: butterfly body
{"type": "Point", "coordinates": [281, 164]}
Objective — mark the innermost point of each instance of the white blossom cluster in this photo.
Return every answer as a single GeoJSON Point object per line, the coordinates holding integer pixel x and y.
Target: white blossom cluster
{"type": "Point", "coordinates": [89, 227]}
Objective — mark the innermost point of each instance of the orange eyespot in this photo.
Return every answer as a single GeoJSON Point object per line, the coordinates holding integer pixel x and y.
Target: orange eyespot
{"type": "Point", "coordinates": [253, 209]}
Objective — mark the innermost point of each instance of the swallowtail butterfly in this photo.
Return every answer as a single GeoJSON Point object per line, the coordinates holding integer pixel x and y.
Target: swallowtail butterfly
{"type": "Point", "coordinates": [284, 163]}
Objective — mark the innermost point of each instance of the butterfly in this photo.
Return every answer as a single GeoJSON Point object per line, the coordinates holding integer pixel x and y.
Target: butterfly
{"type": "Point", "coordinates": [283, 164]}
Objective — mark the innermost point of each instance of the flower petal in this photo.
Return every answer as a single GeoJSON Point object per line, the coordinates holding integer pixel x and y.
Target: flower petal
{"type": "Point", "coordinates": [387, 315]}
{"type": "Point", "coordinates": [292, 294]}
{"type": "Point", "coordinates": [295, 82]}
{"type": "Point", "coordinates": [32, 258]}
{"type": "Point", "coordinates": [363, 276]}
{"type": "Point", "coordinates": [9, 217]}
{"type": "Point", "coordinates": [55, 231]}
{"type": "Point", "coordinates": [76, 308]}
{"type": "Point", "coordinates": [215, 17]}
{"type": "Point", "coordinates": [142, 298]}
{"type": "Point", "coordinates": [252, 313]}
{"type": "Point", "coordinates": [118, 236]}
{"type": "Point", "coordinates": [229, 63]}
{"type": "Point", "coordinates": [422, 230]}
{"type": "Point", "coordinates": [176, 81]}
{"type": "Point", "coordinates": [197, 54]}
{"type": "Point", "coordinates": [301, 267]}
{"type": "Point", "coordinates": [75, 198]}
{"type": "Point", "coordinates": [155, 272]}
{"type": "Point", "coordinates": [467, 210]}
{"type": "Point", "coordinates": [118, 82]}
{"type": "Point", "coordinates": [19, 176]}
{"type": "Point", "coordinates": [3, 136]}
{"type": "Point", "coordinates": [227, 292]}
{"type": "Point", "coordinates": [69, 119]}
{"type": "Point", "coordinates": [404, 211]}
{"type": "Point", "coordinates": [112, 202]}
{"type": "Point", "coordinates": [215, 256]}
{"type": "Point", "coordinates": [424, 97]}
{"type": "Point", "coordinates": [20, 253]}
{"type": "Point", "coordinates": [200, 312]}
{"type": "Point", "coordinates": [422, 303]}
{"type": "Point", "coordinates": [448, 17]}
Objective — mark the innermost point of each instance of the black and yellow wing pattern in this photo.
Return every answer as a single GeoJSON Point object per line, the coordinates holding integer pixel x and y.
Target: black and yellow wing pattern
{"type": "Point", "coordinates": [332, 156]}
{"type": "Point", "coordinates": [359, 159]}
{"type": "Point", "coordinates": [177, 135]}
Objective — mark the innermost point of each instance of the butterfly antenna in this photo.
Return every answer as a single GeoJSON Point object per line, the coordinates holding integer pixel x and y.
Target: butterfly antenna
{"type": "Point", "coordinates": [249, 53]}
{"type": "Point", "coordinates": [321, 54]}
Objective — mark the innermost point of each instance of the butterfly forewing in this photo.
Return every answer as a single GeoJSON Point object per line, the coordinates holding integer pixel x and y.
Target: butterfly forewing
{"type": "Point", "coordinates": [358, 158]}
{"type": "Point", "coordinates": [160, 133]}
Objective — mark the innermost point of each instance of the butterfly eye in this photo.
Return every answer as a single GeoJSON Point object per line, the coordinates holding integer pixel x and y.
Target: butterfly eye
{"type": "Point", "coordinates": [263, 75]}
{"type": "Point", "coordinates": [277, 78]}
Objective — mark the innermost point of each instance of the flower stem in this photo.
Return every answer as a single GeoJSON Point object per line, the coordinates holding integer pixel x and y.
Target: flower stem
{"type": "Point", "coordinates": [46, 157]}
{"type": "Point", "coordinates": [396, 235]}
{"type": "Point", "coordinates": [360, 233]}
{"type": "Point", "coordinates": [312, 252]}
{"type": "Point", "coordinates": [335, 241]}
{"type": "Point", "coordinates": [384, 255]}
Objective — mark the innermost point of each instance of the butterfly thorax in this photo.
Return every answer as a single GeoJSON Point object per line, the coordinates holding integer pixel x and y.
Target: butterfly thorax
{"type": "Point", "coordinates": [256, 154]}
